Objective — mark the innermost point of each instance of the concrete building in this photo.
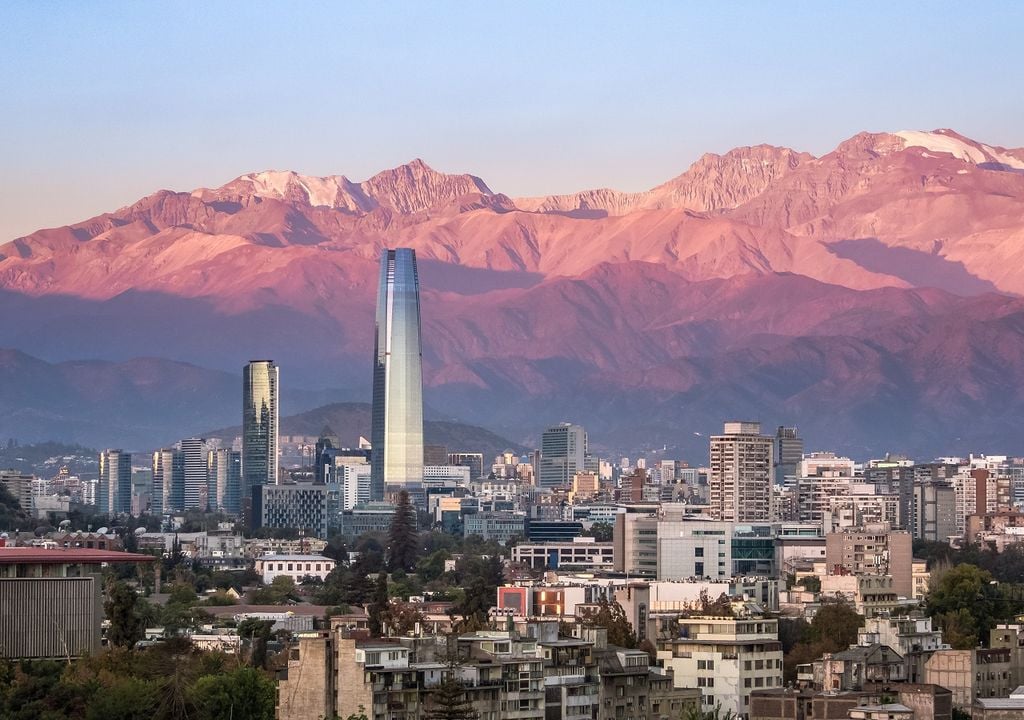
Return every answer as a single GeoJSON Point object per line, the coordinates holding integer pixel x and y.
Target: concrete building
{"type": "Point", "coordinates": [19, 485]}
{"type": "Point", "coordinates": [195, 453]}
{"type": "Point", "coordinates": [934, 511]}
{"type": "Point", "coordinates": [51, 602]}
{"type": "Point", "coordinates": [474, 461]}
{"type": "Point", "coordinates": [296, 567]}
{"type": "Point", "coordinates": [499, 526]}
{"type": "Point", "coordinates": [580, 554]}
{"type": "Point", "coordinates": [740, 478]}
{"type": "Point", "coordinates": [563, 451]}
{"type": "Point", "coordinates": [971, 674]}
{"type": "Point", "coordinates": [925, 702]}
{"type": "Point", "coordinates": [368, 517]}
{"type": "Point", "coordinates": [726, 657]}
{"type": "Point", "coordinates": [872, 550]}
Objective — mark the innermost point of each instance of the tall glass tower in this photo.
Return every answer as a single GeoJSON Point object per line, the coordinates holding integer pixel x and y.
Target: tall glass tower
{"type": "Point", "coordinates": [259, 425]}
{"type": "Point", "coordinates": [397, 423]}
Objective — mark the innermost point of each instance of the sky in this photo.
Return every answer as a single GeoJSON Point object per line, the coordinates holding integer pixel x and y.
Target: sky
{"type": "Point", "coordinates": [104, 103]}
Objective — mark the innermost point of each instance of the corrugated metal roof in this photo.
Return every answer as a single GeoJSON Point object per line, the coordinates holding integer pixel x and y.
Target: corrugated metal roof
{"type": "Point", "coordinates": [81, 556]}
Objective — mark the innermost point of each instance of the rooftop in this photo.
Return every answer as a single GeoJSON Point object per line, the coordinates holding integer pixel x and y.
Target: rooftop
{"type": "Point", "coordinates": [78, 556]}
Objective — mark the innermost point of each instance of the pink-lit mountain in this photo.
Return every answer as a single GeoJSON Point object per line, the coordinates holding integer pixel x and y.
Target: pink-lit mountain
{"type": "Point", "coordinates": [869, 295]}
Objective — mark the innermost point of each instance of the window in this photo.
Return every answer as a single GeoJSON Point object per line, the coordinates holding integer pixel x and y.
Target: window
{"type": "Point", "coordinates": [698, 552]}
{"type": "Point", "coordinates": [746, 682]}
{"type": "Point", "coordinates": [746, 665]}
{"type": "Point", "coordinates": [759, 682]}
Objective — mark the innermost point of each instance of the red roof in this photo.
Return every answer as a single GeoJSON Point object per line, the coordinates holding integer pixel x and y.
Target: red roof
{"type": "Point", "coordinates": [81, 556]}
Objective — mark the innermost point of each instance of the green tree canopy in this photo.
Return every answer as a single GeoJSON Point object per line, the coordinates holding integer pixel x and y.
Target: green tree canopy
{"type": "Point", "coordinates": [240, 694]}
{"type": "Point", "coordinates": [966, 603]}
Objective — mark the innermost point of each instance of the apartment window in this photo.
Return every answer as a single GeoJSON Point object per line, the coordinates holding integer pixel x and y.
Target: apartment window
{"type": "Point", "coordinates": [759, 682]}
{"type": "Point", "coordinates": [759, 664]}
{"type": "Point", "coordinates": [711, 664]}
{"type": "Point", "coordinates": [746, 665]}
{"type": "Point", "coordinates": [698, 552]}
{"type": "Point", "coordinates": [289, 567]}
{"type": "Point", "coordinates": [746, 682]}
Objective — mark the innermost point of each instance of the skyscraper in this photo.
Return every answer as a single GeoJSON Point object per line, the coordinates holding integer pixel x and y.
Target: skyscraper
{"type": "Point", "coordinates": [195, 451]}
{"type": "Point", "coordinates": [224, 473]}
{"type": "Point", "coordinates": [259, 425]}
{"type": "Point", "coordinates": [114, 490]}
{"type": "Point", "coordinates": [397, 420]}
{"type": "Point", "coordinates": [563, 453]}
{"type": "Point", "coordinates": [789, 452]}
{"type": "Point", "coordinates": [740, 480]}
{"type": "Point", "coordinates": [168, 492]}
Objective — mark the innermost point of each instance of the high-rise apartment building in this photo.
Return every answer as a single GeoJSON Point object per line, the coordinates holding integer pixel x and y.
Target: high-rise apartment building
{"type": "Point", "coordinates": [740, 477]}
{"type": "Point", "coordinates": [224, 478]}
{"type": "Point", "coordinates": [260, 379]}
{"type": "Point", "coordinates": [397, 416]}
{"type": "Point", "coordinates": [114, 490]}
{"type": "Point", "coordinates": [563, 452]}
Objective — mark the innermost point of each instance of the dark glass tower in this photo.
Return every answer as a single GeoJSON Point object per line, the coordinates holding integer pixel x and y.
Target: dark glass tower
{"type": "Point", "coordinates": [397, 422]}
{"type": "Point", "coordinates": [259, 425]}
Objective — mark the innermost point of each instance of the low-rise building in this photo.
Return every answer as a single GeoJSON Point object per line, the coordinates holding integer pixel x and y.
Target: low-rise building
{"type": "Point", "coordinates": [51, 602]}
{"type": "Point", "coordinates": [498, 526]}
{"type": "Point", "coordinates": [580, 554]}
{"type": "Point", "coordinates": [296, 567]}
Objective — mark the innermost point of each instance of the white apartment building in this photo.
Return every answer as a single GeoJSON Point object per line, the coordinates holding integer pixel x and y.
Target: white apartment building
{"type": "Point", "coordinates": [726, 657]}
{"type": "Point", "coordinates": [294, 566]}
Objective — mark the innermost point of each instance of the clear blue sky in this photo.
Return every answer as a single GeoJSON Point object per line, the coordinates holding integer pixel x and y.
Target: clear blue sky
{"type": "Point", "coordinates": [104, 102]}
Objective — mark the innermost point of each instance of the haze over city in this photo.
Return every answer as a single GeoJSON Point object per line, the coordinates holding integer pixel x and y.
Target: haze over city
{"type": "Point", "coordinates": [532, 362]}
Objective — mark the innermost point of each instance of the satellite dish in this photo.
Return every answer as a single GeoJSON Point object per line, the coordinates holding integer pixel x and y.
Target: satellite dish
{"type": "Point", "coordinates": [103, 530]}
{"type": "Point", "coordinates": [4, 536]}
{"type": "Point", "coordinates": [139, 531]}
{"type": "Point", "coordinates": [65, 523]}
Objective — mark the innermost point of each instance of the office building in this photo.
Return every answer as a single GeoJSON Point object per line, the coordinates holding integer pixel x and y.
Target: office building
{"type": "Point", "coordinates": [354, 479]}
{"type": "Point", "coordinates": [583, 554]}
{"type": "Point", "coordinates": [563, 451]}
{"type": "Point", "coordinates": [474, 461]}
{"type": "Point", "coordinates": [740, 483]}
{"type": "Point", "coordinates": [260, 406]}
{"type": "Point", "coordinates": [789, 452]}
{"type": "Point", "coordinates": [194, 453]}
{"type": "Point", "coordinates": [114, 490]}
{"type": "Point", "coordinates": [313, 508]}
{"type": "Point", "coordinates": [168, 494]}
{"type": "Point", "coordinates": [397, 414]}
{"type": "Point", "coordinates": [224, 475]}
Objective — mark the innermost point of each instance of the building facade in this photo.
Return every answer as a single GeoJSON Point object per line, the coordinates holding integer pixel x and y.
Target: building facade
{"type": "Point", "coordinates": [260, 407]}
{"type": "Point", "coordinates": [740, 477]}
{"type": "Point", "coordinates": [563, 451]}
{"type": "Point", "coordinates": [397, 414]}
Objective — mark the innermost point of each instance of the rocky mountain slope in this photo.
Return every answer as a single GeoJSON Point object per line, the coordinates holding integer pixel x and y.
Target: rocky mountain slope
{"type": "Point", "coordinates": [873, 285]}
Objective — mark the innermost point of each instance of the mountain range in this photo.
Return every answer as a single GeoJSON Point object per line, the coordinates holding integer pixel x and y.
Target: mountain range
{"type": "Point", "coordinates": [869, 296]}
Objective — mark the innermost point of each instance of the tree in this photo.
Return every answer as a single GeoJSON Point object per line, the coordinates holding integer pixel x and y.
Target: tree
{"type": "Point", "coordinates": [403, 539]}
{"type": "Point", "coordinates": [600, 531]}
{"type": "Point", "coordinates": [379, 607]}
{"type": "Point", "coordinates": [694, 712]}
{"type": "Point", "coordinates": [477, 601]}
{"type": "Point", "coordinates": [240, 694]}
{"type": "Point", "coordinates": [611, 617]}
{"type": "Point", "coordinates": [126, 699]}
{"type": "Point", "coordinates": [972, 590]}
{"type": "Point", "coordinates": [449, 702]}
{"type": "Point", "coordinates": [126, 626]}
{"type": "Point", "coordinates": [258, 633]}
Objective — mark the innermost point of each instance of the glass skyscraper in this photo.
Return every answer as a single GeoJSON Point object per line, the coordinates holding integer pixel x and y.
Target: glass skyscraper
{"type": "Point", "coordinates": [259, 425]}
{"type": "Point", "coordinates": [397, 423]}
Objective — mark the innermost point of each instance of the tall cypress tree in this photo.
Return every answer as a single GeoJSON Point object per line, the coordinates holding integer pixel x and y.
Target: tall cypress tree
{"type": "Point", "coordinates": [126, 627]}
{"type": "Point", "coordinates": [379, 607]}
{"type": "Point", "coordinates": [449, 702]}
{"type": "Point", "coordinates": [403, 540]}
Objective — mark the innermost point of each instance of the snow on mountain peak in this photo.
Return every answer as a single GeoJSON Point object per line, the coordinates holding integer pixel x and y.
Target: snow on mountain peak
{"type": "Point", "coordinates": [946, 141]}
